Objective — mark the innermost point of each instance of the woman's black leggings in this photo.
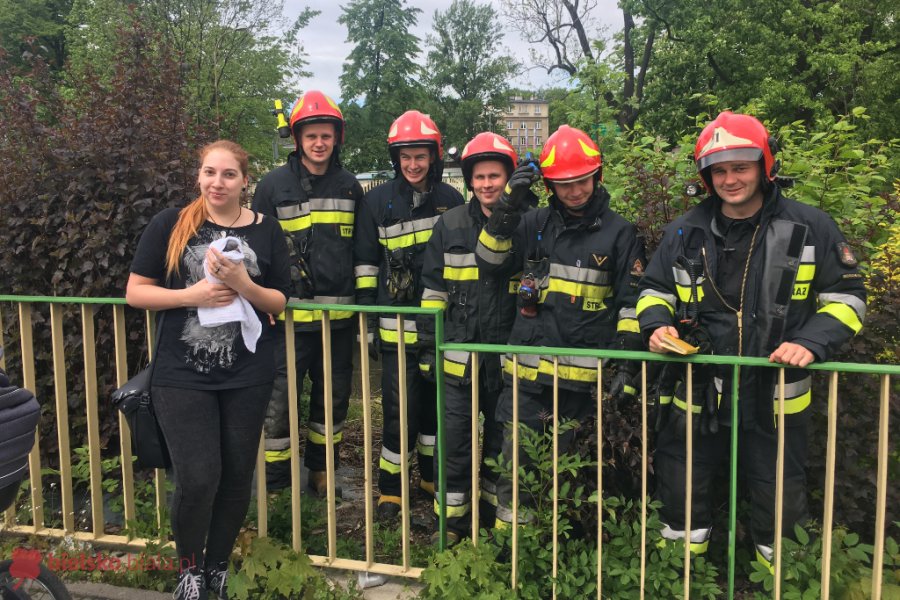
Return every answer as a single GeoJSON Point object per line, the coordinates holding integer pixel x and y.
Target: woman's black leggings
{"type": "Point", "coordinates": [213, 437]}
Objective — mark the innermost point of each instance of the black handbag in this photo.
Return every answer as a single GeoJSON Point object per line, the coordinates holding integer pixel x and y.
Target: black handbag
{"type": "Point", "coordinates": [134, 401]}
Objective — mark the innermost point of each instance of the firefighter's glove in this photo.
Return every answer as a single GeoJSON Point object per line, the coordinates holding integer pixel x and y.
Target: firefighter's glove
{"type": "Point", "coordinates": [427, 363]}
{"type": "Point", "coordinates": [624, 386]}
{"type": "Point", "coordinates": [516, 198]}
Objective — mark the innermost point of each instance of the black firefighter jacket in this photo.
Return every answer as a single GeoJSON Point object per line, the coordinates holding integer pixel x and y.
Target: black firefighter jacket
{"type": "Point", "coordinates": [320, 222]}
{"type": "Point", "coordinates": [802, 286]}
{"type": "Point", "coordinates": [478, 307]}
{"type": "Point", "coordinates": [586, 271]}
{"type": "Point", "coordinates": [391, 231]}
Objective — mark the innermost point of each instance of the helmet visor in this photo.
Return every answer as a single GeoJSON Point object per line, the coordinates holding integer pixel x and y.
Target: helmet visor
{"type": "Point", "coordinates": [752, 154]}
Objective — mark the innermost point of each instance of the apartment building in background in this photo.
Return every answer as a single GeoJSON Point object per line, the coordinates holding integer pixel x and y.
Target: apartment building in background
{"type": "Point", "coordinates": [527, 123]}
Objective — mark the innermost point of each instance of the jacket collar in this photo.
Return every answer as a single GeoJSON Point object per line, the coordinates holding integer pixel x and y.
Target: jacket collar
{"type": "Point", "coordinates": [593, 212]}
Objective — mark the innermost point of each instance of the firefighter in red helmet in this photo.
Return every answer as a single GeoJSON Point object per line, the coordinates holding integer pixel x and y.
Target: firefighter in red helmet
{"type": "Point", "coordinates": [394, 224]}
{"type": "Point", "coordinates": [580, 263]}
{"type": "Point", "coordinates": [315, 201]}
{"type": "Point", "coordinates": [478, 308]}
{"type": "Point", "coordinates": [747, 272]}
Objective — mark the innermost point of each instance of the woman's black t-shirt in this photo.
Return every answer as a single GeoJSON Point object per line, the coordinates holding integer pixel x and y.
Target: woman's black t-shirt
{"type": "Point", "coordinates": [190, 355]}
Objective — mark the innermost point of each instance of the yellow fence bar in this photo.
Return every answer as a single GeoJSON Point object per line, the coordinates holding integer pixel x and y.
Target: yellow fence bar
{"type": "Point", "coordinates": [93, 417]}
{"type": "Point", "coordinates": [688, 478]}
{"type": "Point", "coordinates": [779, 486]}
{"type": "Point", "coordinates": [404, 441]}
{"type": "Point", "coordinates": [119, 331]}
{"type": "Point", "coordinates": [367, 435]}
{"type": "Point", "coordinates": [62, 416]}
{"type": "Point", "coordinates": [882, 484]}
{"type": "Point", "coordinates": [830, 452]}
{"type": "Point", "coordinates": [328, 393]}
{"type": "Point", "coordinates": [294, 422]}
{"type": "Point", "coordinates": [159, 475]}
{"type": "Point", "coordinates": [30, 382]}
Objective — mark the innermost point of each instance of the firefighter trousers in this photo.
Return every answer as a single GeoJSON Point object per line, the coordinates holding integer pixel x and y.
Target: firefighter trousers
{"type": "Point", "coordinates": [421, 415]}
{"type": "Point", "coordinates": [309, 361]}
{"type": "Point", "coordinates": [757, 451]}
{"type": "Point", "coordinates": [459, 447]}
{"type": "Point", "coordinates": [535, 413]}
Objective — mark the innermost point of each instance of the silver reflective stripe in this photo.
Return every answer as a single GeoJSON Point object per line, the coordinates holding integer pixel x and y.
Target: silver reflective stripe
{"type": "Point", "coordinates": [365, 270]}
{"type": "Point", "coordinates": [426, 440]}
{"type": "Point", "coordinates": [390, 323]}
{"type": "Point", "coordinates": [489, 256]}
{"type": "Point", "coordinates": [682, 277]}
{"type": "Point", "coordinates": [488, 486]}
{"type": "Point", "coordinates": [628, 313]}
{"type": "Point", "coordinates": [858, 306]}
{"type": "Point", "coordinates": [430, 294]}
{"type": "Point", "coordinates": [393, 457]}
{"type": "Point", "coordinates": [809, 254]}
{"type": "Point", "coordinates": [407, 227]}
{"type": "Point", "coordinates": [320, 427]}
{"type": "Point", "coordinates": [698, 536]}
{"type": "Point", "coordinates": [718, 383]}
{"type": "Point", "coordinates": [669, 298]}
{"type": "Point", "coordinates": [585, 362]}
{"type": "Point", "coordinates": [457, 498]}
{"type": "Point", "coordinates": [526, 360]}
{"type": "Point", "coordinates": [579, 274]}
{"type": "Point", "coordinates": [795, 389]}
{"type": "Point", "coordinates": [459, 260]}
{"type": "Point", "coordinates": [505, 515]}
{"type": "Point", "coordinates": [767, 551]}
{"type": "Point", "coordinates": [291, 211]}
{"type": "Point", "coordinates": [457, 356]}
{"type": "Point", "coordinates": [339, 204]}
{"type": "Point", "coordinates": [278, 443]}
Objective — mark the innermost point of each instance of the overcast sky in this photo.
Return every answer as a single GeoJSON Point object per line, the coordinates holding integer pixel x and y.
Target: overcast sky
{"type": "Point", "coordinates": [325, 41]}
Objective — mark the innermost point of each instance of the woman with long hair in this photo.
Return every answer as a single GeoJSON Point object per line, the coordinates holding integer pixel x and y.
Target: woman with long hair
{"type": "Point", "coordinates": [218, 270]}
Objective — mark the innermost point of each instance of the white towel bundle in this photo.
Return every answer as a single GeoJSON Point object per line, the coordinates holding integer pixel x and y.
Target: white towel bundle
{"type": "Point", "coordinates": [239, 310]}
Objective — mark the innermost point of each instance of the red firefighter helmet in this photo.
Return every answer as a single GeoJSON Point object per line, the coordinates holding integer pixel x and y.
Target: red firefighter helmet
{"type": "Point", "coordinates": [487, 146]}
{"type": "Point", "coordinates": [569, 155]}
{"type": "Point", "coordinates": [316, 107]}
{"type": "Point", "coordinates": [414, 129]}
{"type": "Point", "coordinates": [734, 137]}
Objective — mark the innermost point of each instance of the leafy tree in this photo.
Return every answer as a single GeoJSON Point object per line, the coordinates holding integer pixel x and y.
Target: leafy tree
{"type": "Point", "coordinates": [794, 59]}
{"type": "Point", "coordinates": [378, 81]}
{"type": "Point", "coordinates": [467, 70]}
{"type": "Point", "coordinates": [232, 59]}
{"type": "Point", "coordinates": [41, 20]}
{"type": "Point", "coordinates": [566, 37]}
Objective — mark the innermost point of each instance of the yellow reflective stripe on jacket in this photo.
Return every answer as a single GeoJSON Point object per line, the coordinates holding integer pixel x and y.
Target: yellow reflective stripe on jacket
{"type": "Point", "coordinates": [366, 276]}
{"type": "Point", "coordinates": [407, 233]}
{"type": "Point", "coordinates": [651, 298]}
{"type": "Point", "coordinates": [461, 273]}
{"type": "Point", "coordinates": [528, 366]}
{"type": "Point", "coordinates": [569, 372]}
{"type": "Point", "coordinates": [317, 218]}
{"type": "Point", "coordinates": [847, 309]}
{"type": "Point", "coordinates": [494, 244]}
{"type": "Point", "coordinates": [577, 289]}
{"type": "Point", "coordinates": [313, 316]}
{"type": "Point", "coordinates": [797, 396]}
{"type": "Point", "coordinates": [442, 304]}
{"type": "Point", "coordinates": [628, 321]}
{"type": "Point", "coordinates": [454, 511]}
{"type": "Point", "coordinates": [455, 362]}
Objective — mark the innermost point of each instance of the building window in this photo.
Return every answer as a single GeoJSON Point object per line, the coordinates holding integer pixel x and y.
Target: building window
{"type": "Point", "coordinates": [537, 126]}
{"type": "Point", "coordinates": [523, 125]}
{"type": "Point", "coordinates": [523, 109]}
{"type": "Point", "coordinates": [537, 109]}
{"type": "Point", "coordinates": [510, 125]}
{"type": "Point", "coordinates": [537, 141]}
{"type": "Point", "coordinates": [523, 141]}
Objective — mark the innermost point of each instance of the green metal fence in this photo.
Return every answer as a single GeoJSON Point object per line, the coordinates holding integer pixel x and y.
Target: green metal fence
{"type": "Point", "coordinates": [114, 310]}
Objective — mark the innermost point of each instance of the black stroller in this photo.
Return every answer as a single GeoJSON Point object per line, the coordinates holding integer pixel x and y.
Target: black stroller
{"type": "Point", "coordinates": [23, 577]}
